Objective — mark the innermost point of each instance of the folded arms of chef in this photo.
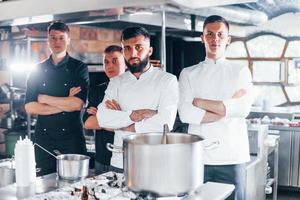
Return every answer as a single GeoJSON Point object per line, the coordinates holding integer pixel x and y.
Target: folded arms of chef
{"type": "Point", "coordinates": [192, 109]}
{"type": "Point", "coordinates": [240, 106]}
{"type": "Point", "coordinates": [43, 104]}
{"type": "Point", "coordinates": [118, 119]}
{"type": "Point", "coordinates": [166, 112]}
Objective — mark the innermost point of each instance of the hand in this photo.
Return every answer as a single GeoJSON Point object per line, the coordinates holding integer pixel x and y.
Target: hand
{"type": "Point", "coordinates": [74, 90]}
{"type": "Point", "coordinates": [130, 128]}
{"type": "Point", "coordinates": [91, 110]}
{"type": "Point", "coordinates": [138, 115]}
{"type": "Point", "coordinates": [197, 102]}
{"type": "Point", "coordinates": [239, 93]}
{"type": "Point", "coordinates": [112, 104]}
{"type": "Point", "coordinates": [147, 113]}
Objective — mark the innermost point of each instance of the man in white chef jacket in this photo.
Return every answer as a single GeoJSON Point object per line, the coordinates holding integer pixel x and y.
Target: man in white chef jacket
{"type": "Point", "coordinates": [142, 99]}
{"type": "Point", "coordinates": [215, 98]}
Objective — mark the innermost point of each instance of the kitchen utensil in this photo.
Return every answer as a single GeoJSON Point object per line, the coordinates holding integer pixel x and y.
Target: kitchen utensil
{"type": "Point", "coordinates": [165, 131]}
{"type": "Point", "coordinates": [70, 166]}
{"type": "Point", "coordinates": [7, 172]}
{"type": "Point", "coordinates": [154, 167]}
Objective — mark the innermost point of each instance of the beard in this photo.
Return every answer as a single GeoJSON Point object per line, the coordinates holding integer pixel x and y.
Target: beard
{"type": "Point", "coordinates": [139, 67]}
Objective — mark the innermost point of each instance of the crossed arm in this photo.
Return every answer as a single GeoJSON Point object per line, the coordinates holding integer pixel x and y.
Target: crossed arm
{"type": "Point", "coordinates": [215, 110]}
{"type": "Point", "coordinates": [135, 116]}
{"type": "Point", "coordinates": [47, 105]}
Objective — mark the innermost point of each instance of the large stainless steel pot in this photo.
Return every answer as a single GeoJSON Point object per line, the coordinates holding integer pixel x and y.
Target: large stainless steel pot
{"type": "Point", "coordinates": [7, 172]}
{"type": "Point", "coordinates": [70, 166]}
{"type": "Point", "coordinates": [165, 169]}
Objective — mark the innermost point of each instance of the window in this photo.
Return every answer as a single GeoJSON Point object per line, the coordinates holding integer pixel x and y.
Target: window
{"type": "Point", "coordinates": [293, 49]}
{"type": "Point", "coordinates": [266, 46]}
{"type": "Point", "coordinates": [294, 73]}
{"type": "Point", "coordinates": [273, 70]}
{"type": "Point", "coordinates": [266, 71]}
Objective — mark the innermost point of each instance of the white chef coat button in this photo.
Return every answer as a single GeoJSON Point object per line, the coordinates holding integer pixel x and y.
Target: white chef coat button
{"type": "Point", "coordinates": [65, 84]}
{"type": "Point", "coordinates": [44, 84]}
{"type": "Point", "coordinates": [63, 113]}
{"type": "Point", "coordinates": [63, 129]}
{"type": "Point", "coordinates": [45, 129]}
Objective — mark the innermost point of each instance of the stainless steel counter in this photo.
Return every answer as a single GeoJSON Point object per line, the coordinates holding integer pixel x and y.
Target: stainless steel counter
{"type": "Point", "coordinates": [50, 187]}
{"type": "Point", "coordinates": [43, 184]}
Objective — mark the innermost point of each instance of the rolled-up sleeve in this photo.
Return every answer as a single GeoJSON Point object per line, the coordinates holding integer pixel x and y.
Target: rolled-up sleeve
{"type": "Point", "coordinates": [187, 112]}
{"type": "Point", "coordinates": [240, 107]}
{"type": "Point", "coordinates": [113, 119]}
{"type": "Point", "coordinates": [167, 109]}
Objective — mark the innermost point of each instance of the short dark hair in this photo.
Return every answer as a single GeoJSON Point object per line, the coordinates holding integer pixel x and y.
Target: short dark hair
{"type": "Point", "coordinates": [215, 18]}
{"type": "Point", "coordinates": [58, 26]}
{"type": "Point", "coordinates": [132, 32]}
{"type": "Point", "coordinates": [113, 48]}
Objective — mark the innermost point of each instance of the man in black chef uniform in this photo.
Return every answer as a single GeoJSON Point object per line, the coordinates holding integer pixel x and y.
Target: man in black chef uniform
{"type": "Point", "coordinates": [56, 92]}
{"type": "Point", "coordinates": [114, 65]}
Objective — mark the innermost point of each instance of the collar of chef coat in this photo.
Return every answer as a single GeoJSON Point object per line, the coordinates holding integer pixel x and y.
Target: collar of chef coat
{"type": "Point", "coordinates": [62, 63]}
{"type": "Point", "coordinates": [144, 75]}
{"type": "Point", "coordinates": [212, 61]}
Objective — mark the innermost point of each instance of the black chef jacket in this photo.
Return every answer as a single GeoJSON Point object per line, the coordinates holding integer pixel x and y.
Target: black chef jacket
{"type": "Point", "coordinates": [96, 96]}
{"type": "Point", "coordinates": [62, 131]}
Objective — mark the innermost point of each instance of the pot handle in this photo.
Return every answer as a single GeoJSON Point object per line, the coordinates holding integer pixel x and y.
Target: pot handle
{"type": "Point", "coordinates": [36, 144]}
{"type": "Point", "coordinates": [114, 148]}
{"type": "Point", "coordinates": [212, 145]}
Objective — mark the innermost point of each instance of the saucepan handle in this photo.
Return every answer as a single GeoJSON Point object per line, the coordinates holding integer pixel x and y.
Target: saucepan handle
{"type": "Point", "coordinates": [36, 144]}
{"type": "Point", "coordinates": [211, 145]}
{"type": "Point", "coordinates": [114, 148]}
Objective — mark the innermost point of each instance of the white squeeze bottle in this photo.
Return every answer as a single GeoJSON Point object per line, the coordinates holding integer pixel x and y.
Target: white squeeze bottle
{"type": "Point", "coordinates": [25, 163]}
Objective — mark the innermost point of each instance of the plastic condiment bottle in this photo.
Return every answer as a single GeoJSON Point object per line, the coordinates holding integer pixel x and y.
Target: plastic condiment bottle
{"type": "Point", "coordinates": [25, 163]}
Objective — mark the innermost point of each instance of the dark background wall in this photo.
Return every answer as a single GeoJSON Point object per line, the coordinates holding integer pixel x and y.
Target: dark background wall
{"type": "Point", "coordinates": [180, 54]}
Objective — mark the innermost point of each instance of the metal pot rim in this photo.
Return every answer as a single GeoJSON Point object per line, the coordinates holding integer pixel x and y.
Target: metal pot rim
{"type": "Point", "coordinates": [66, 156]}
{"type": "Point", "coordinates": [130, 139]}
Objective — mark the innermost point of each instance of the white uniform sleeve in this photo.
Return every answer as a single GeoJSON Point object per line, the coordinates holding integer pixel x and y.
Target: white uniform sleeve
{"type": "Point", "coordinates": [166, 109]}
{"type": "Point", "coordinates": [240, 107]}
{"type": "Point", "coordinates": [187, 112]}
{"type": "Point", "coordinates": [113, 119]}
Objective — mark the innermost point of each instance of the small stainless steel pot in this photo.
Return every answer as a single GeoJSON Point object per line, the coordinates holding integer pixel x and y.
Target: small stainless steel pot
{"type": "Point", "coordinates": [165, 169]}
{"type": "Point", "coordinates": [7, 172]}
{"type": "Point", "coordinates": [70, 166]}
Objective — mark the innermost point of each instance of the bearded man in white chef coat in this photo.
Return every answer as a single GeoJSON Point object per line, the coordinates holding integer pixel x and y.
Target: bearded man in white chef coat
{"type": "Point", "coordinates": [215, 98]}
{"type": "Point", "coordinates": [142, 99]}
